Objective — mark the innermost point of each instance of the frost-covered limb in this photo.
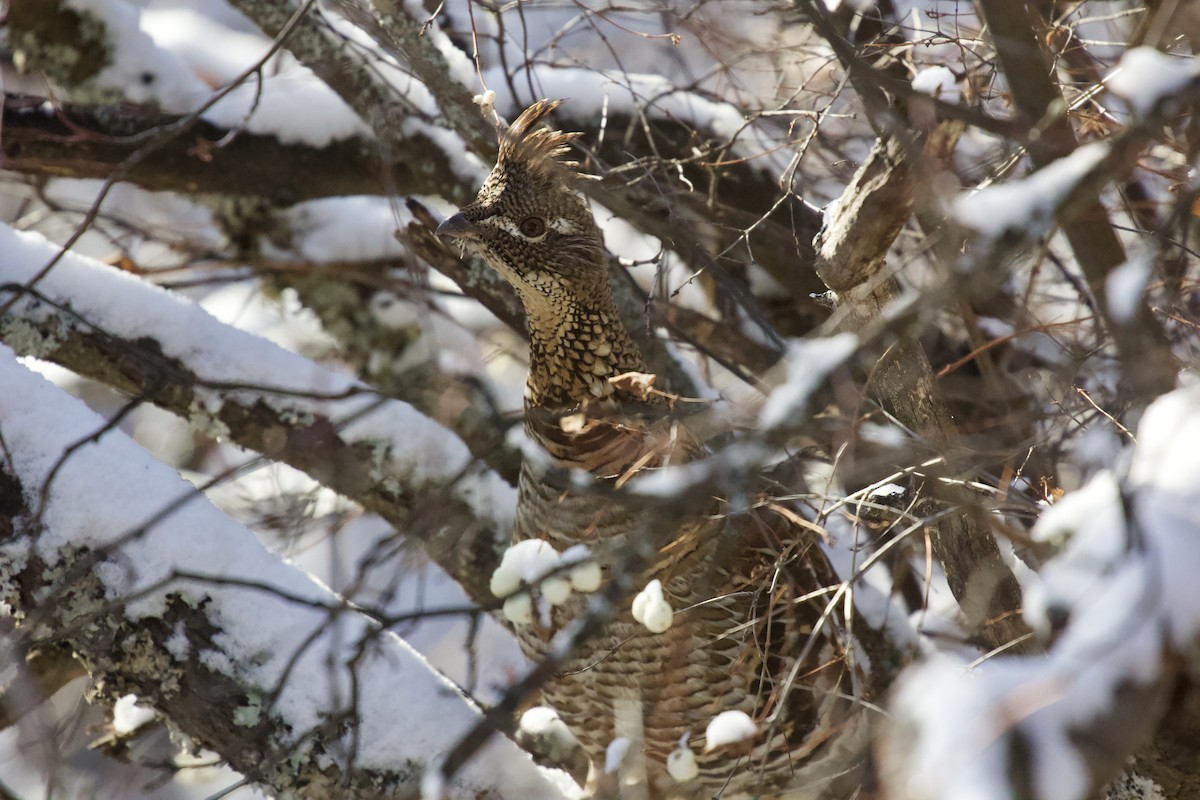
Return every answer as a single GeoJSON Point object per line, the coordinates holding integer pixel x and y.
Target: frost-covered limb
{"type": "Point", "coordinates": [409, 362]}
{"type": "Point", "coordinates": [1118, 603]}
{"type": "Point", "coordinates": [304, 699]}
{"type": "Point", "coordinates": [145, 341]}
{"type": "Point", "coordinates": [689, 222]}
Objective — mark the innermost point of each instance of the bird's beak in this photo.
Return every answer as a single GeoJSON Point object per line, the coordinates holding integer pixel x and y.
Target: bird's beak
{"type": "Point", "coordinates": [456, 227]}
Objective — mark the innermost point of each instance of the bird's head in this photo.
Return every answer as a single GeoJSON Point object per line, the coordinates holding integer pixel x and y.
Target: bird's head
{"type": "Point", "coordinates": [530, 222]}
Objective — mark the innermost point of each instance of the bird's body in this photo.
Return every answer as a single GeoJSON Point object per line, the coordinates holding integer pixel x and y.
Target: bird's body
{"type": "Point", "coordinates": [748, 592]}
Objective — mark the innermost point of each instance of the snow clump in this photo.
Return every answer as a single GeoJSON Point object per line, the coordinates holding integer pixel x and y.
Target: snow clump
{"type": "Point", "coordinates": [729, 727]}
{"type": "Point", "coordinates": [535, 563]}
{"type": "Point", "coordinates": [681, 763]}
{"type": "Point", "coordinates": [651, 609]}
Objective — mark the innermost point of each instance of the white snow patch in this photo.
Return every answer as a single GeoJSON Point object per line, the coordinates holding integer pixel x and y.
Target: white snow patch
{"type": "Point", "coordinates": [128, 716]}
{"type": "Point", "coordinates": [544, 724]}
{"type": "Point", "coordinates": [1120, 592]}
{"type": "Point", "coordinates": [615, 753]}
{"type": "Point", "coordinates": [347, 229]}
{"type": "Point", "coordinates": [535, 565]}
{"type": "Point", "coordinates": [518, 609]}
{"type": "Point", "coordinates": [214, 52]}
{"type": "Point", "coordinates": [1145, 76]}
{"type": "Point", "coordinates": [1027, 205]}
{"type": "Point", "coordinates": [410, 446]}
{"type": "Point", "coordinates": [142, 71]}
{"type": "Point", "coordinates": [525, 562]}
{"type": "Point", "coordinates": [681, 764]}
{"type": "Point", "coordinates": [1167, 457]}
{"type": "Point", "coordinates": [296, 107]}
{"type": "Point", "coordinates": [938, 81]}
{"type": "Point", "coordinates": [1125, 285]}
{"type": "Point", "coordinates": [808, 362]}
{"type": "Point", "coordinates": [729, 727]}
{"type": "Point", "coordinates": [887, 490]}
{"type": "Point", "coordinates": [651, 609]}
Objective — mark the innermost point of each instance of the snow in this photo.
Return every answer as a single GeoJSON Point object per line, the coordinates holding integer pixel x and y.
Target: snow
{"type": "Point", "coordinates": [1125, 285]}
{"type": "Point", "coordinates": [681, 764]}
{"type": "Point", "coordinates": [275, 631]}
{"type": "Point", "coordinates": [534, 563]}
{"type": "Point", "coordinates": [529, 561]}
{"type": "Point", "coordinates": [938, 81]}
{"type": "Point", "coordinates": [586, 577]}
{"type": "Point", "coordinates": [156, 58]}
{"type": "Point", "coordinates": [460, 66]}
{"type": "Point", "coordinates": [342, 229]}
{"type": "Point", "coordinates": [467, 166]}
{"type": "Point", "coordinates": [296, 107]}
{"type": "Point", "coordinates": [1027, 205]}
{"type": "Point", "coordinates": [615, 754]}
{"type": "Point", "coordinates": [410, 447]}
{"type": "Point", "coordinates": [128, 716]}
{"type": "Point", "coordinates": [137, 68]}
{"type": "Point", "coordinates": [190, 35]}
{"type": "Point", "coordinates": [651, 609]}
{"type": "Point", "coordinates": [807, 363]}
{"type": "Point", "coordinates": [544, 724]}
{"type": "Point", "coordinates": [1118, 595]}
{"type": "Point", "coordinates": [1167, 457]}
{"type": "Point", "coordinates": [1144, 77]}
{"type": "Point", "coordinates": [729, 727]}
{"type": "Point", "coordinates": [518, 609]}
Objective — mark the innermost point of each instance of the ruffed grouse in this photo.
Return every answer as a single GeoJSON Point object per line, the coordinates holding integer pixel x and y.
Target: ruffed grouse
{"type": "Point", "coordinates": [748, 590]}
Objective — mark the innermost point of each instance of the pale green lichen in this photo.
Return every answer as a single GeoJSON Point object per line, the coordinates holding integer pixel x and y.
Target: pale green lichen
{"type": "Point", "coordinates": [250, 714]}
{"type": "Point", "coordinates": [204, 420]}
{"type": "Point", "coordinates": [141, 655]}
{"type": "Point", "coordinates": [71, 47]}
{"type": "Point", "coordinates": [29, 339]}
{"type": "Point", "coordinates": [297, 417]}
{"type": "Point", "coordinates": [381, 457]}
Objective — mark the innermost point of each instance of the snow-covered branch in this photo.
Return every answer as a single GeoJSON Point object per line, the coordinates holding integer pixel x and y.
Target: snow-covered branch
{"type": "Point", "coordinates": [233, 385]}
{"type": "Point", "coordinates": [77, 140]}
{"type": "Point", "coordinates": [261, 664]}
{"type": "Point", "coordinates": [1120, 605]}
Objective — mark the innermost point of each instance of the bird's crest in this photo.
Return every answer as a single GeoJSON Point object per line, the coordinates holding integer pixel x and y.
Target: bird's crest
{"type": "Point", "coordinates": [537, 147]}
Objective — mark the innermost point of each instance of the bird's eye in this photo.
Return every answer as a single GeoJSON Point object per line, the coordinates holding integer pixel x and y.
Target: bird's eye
{"type": "Point", "coordinates": [533, 227]}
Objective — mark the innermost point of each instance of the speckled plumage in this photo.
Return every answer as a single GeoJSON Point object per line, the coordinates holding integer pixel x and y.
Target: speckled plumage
{"type": "Point", "coordinates": [739, 586]}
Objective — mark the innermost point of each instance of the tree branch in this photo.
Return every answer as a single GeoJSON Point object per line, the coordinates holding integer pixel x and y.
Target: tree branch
{"type": "Point", "coordinates": [305, 705]}
{"type": "Point", "coordinates": [383, 455]}
{"type": "Point", "coordinates": [1147, 364]}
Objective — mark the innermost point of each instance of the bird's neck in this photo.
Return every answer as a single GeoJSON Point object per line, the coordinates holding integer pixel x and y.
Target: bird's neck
{"type": "Point", "coordinates": [575, 345]}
